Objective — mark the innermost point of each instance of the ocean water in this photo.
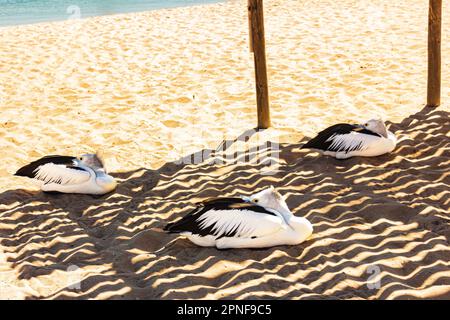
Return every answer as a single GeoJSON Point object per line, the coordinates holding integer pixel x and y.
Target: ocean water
{"type": "Point", "coordinates": [15, 12]}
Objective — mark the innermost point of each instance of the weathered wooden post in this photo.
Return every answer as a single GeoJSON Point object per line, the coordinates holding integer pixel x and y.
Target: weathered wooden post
{"type": "Point", "coordinates": [434, 53]}
{"type": "Point", "coordinates": [258, 45]}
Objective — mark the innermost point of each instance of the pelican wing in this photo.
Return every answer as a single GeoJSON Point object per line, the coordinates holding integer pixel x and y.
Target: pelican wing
{"type": "Point", "coordinates": [347, 142]}
{"type": "Point", "coordinates": [342, 138]}
{"type": "Point", "coordinates": [55, 169]}
{"type": "Point", "coordinates": [228, 217]}
{"type": "Point", "coordinates": [239, 223]}
{"type": "Point", "coordinates": [61, 174]}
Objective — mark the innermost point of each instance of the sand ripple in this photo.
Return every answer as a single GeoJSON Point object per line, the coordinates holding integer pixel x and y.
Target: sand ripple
{"type": "Point", "coordinates": [152, 88]}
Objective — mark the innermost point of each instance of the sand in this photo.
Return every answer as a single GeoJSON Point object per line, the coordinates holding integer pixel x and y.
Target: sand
{"type": "Point", "coordinates": [154, 88]}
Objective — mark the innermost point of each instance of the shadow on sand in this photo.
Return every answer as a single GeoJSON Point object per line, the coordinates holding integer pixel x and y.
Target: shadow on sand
{"type": "Point", "coordinates": [377, 219]}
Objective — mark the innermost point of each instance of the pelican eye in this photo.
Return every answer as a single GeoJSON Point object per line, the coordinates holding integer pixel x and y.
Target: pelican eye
{"type": "Point", "coordinates": [255, 201]}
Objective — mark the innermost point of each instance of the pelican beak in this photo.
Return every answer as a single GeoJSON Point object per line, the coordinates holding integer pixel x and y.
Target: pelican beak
{"type": "Point", "coordinates": [246, 199]}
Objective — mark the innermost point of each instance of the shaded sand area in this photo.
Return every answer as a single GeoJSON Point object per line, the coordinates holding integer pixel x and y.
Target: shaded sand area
{"type": "Point", "coordinates": [152, 90]}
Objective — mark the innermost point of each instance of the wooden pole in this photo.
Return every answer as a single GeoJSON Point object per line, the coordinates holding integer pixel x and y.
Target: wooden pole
{"type": "Point", "coordinates": [434, 53]}
{"type": "Point", "coordinates": [256, 15]}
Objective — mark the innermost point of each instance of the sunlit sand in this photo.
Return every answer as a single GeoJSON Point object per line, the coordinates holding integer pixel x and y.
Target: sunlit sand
{"type": "Point", "coordinates": [149, 89]}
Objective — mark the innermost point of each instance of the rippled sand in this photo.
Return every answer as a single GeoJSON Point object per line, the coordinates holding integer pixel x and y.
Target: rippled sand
{"type": "Point", "coordinates": [149, 89]}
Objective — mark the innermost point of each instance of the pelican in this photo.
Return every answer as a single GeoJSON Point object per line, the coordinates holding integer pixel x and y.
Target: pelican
{"type": "Point", "coordinates": [85, 174]}
{"type": "Point", "coordinates": [344, 141]}
{"type": "Point", "coordinates": [259, 221]}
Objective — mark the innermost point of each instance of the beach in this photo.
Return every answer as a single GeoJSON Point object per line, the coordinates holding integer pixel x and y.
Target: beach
{"type": "Point", "coordinates": [159, 93]}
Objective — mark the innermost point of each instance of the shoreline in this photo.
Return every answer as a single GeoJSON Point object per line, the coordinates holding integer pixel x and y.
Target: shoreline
{"type": "Point", "coordinates": [111, 14]}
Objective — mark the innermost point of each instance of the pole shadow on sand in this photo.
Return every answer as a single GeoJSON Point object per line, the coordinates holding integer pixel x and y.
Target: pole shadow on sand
{"type": "Point", "coordinates": [388, 214]}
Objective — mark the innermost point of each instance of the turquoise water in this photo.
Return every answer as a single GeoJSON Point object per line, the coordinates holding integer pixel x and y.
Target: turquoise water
{"type": "Point", "coordinates": [14, 12]}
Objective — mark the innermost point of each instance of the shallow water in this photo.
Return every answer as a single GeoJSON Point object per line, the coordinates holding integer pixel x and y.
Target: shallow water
{"type": "Point", "coordinates": [15, 12]}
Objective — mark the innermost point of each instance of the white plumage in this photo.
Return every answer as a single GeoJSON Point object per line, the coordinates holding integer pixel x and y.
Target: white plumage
{"type": "Point", "coordinates": [241, 222]}
{"type": "Point", "coordinates": [259, 221]}
{"type": "Point", "coordinates": [351, 141]}
{"type": "Point", "coordinates": [64, 174]}
{"type": "Point", "coordinates": [61, 174]}
{"type": "Point", "coordinates": [345, 140]}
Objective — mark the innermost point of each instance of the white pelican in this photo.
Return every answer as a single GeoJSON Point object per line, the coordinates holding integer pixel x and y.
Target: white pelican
{"type": "Point", "coordinates": [346, 140]}
{"type": "Point", "coordinates": [259, 221]}
{"type": "Point", "coordinates": [85, 174]}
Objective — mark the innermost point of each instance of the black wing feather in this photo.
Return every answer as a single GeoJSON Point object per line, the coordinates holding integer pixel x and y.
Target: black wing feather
{"type": "Point", "coordinates": [321, 141]}
{"type": "Point", "coordinates": [30, 169]}
{"type": "Point", "coordinates": [189, 222]}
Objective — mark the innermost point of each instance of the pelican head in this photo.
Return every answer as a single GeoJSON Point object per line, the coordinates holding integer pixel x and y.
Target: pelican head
{"type": "Point", "coordinates": [269, 198]}
{"type": "Point", "coordinates": [377, 126]}
{"type": "Point", "coordinates": [92, 161]}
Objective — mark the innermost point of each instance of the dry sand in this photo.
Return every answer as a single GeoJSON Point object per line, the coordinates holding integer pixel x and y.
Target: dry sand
{"type": "Point", "coordinates": [151, 88]}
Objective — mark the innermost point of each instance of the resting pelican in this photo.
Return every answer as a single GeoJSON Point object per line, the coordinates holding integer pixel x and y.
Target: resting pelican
{"type": "Point", "coordinates": [346, 140]}
{"type": "Point", "coordinates": [259, 221]}
{"type": "Point", "coordinates": [85, 174]}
